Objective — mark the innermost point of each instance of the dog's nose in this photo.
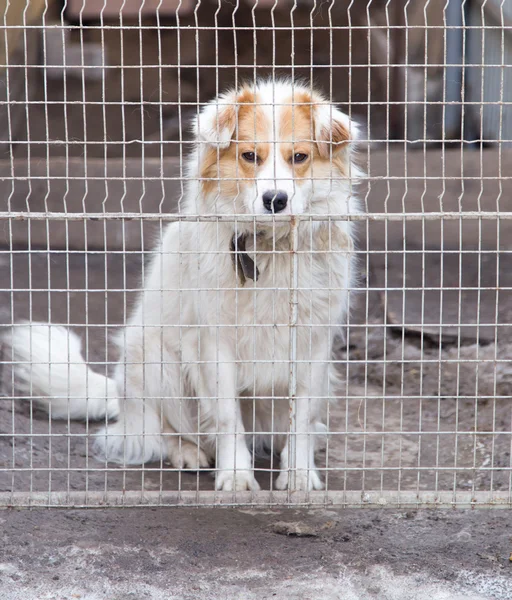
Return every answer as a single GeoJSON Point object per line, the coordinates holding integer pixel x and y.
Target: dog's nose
{"type": "Point", "coordinates": [275, 200]}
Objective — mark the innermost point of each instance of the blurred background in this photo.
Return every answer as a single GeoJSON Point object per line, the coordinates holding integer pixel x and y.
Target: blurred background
{"type": "Point", "coordinates": [114, 78]}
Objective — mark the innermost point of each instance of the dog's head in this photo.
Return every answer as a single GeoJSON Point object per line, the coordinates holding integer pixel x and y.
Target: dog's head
{"type": "Point", "coordinates": [275, 147]}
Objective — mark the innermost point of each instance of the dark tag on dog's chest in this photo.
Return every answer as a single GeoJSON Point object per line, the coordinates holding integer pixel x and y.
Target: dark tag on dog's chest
{"type": "Point", "coordinates": [242, 262]}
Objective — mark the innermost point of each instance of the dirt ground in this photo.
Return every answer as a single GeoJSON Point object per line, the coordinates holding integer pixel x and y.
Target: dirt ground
{"type": "Point", "coordinates": [189, 554]}
{"type": "Point", "coordinates": [432, 419]}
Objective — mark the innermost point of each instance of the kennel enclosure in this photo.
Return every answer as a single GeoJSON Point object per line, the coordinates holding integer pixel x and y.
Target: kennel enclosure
{"type": "Point", "coordinates": [96, 103]}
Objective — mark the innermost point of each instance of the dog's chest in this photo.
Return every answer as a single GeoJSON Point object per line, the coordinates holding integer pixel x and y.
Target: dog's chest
{"type": "Point", "coordinates": [263, 311]}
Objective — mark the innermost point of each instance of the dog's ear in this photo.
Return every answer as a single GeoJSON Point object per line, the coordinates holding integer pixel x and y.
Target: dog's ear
{"type": "Point", "coordinates": [334, 131]}
{"type": "Point", "coordinates": [216, 123]}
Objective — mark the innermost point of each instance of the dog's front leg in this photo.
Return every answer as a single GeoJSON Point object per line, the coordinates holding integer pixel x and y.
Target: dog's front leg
{"type": "Point", "coordinates": [298, 469]}
{"type": "Point", "coordinates": [219, 401]}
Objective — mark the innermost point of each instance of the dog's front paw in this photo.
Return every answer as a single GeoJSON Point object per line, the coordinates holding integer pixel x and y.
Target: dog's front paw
{"type": "Point", "coordinates": [239, 480]}
{"type": "Point", "coordinates": [305, 480]}
{"type": "Point", "coordinates": [186, 455]}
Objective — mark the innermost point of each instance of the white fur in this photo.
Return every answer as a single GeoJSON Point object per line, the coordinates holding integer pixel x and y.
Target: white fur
{"type": "Point", "coordinates": [184, 368]}
{"type": "Point", "coordinates": [49, 363]}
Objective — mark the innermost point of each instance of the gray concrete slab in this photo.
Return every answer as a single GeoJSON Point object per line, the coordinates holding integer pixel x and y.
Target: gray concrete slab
{"type": "Point", "coordinates": [356, 554]}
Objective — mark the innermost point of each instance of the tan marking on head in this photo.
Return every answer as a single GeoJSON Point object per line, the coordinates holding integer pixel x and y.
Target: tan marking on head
{"type": "Point", "coordinates": [253, 127]}
{"type": "Point", "coordinates": [297, 135]}
{"type": "Point", "coordinates": [296, 131]}
{"type": "Point", "coordinates": [228, 114]}
{"type": "Point", "coordinates": [296, 123]}
{"type": "Point", "coordinates": [226, 170]}
{"type": "Point", "coordinates": [334, 135]}
{"type": "Point", "coordinates": [226, 118]}
{"type": "Point", "coordinates": [246, 96]}
{"type": "Point", "coordinates": [226, 173]}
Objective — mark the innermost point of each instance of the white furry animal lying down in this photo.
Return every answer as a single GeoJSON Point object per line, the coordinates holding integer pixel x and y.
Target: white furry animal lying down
{"type": "Point", "coordinates": [219, 331]}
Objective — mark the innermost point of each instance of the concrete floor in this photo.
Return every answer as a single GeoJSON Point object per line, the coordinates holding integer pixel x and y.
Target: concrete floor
{"type": "Point", "coordinates": [351, 554]}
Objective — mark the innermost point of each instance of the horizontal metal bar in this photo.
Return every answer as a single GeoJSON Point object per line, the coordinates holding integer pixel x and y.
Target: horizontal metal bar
{"type": "Point", "coordinates": [320, 434]}
{"type": "Point", "coordinates": [117, 216]}
{"type": "Point", "coordinates": [332, 396]}
{"type": "Point", "coordinates": [192, 28]}
{"type": "Point", "coordinates": [166, 142]}
{"type": "Point", "coordinates": [166, 65]}
{"type": "Point", "coordinates": [284, 361]}
{"type": "Point", "coordinates": [28, 171]}
{"type": "Point", "coordinates": [28, 175]}
{"type": "Point", "coordinates": [348, 499]}
{"type": "Point", "coordinates": [276, 288]}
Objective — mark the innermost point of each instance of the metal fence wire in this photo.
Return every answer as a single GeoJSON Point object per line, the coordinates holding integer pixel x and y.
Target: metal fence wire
{"type": "Point", "coordinates": [304, 300]}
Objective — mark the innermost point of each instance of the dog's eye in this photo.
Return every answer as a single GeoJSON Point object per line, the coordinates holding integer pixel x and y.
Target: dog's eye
{"type": "Point", "coordinates": [250, 156]}
{"type": "Point", "coordinates": [299, 157]}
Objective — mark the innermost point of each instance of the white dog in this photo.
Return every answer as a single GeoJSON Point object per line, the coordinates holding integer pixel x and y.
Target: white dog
{"type": "Point", "coordinates": [204, 368]}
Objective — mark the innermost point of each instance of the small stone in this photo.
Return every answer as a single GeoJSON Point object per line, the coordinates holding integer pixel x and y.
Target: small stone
{"type": "Point", "coordinates": [293, 529]}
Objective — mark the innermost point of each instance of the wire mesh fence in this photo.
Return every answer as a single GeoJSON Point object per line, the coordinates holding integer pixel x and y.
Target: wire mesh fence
{"type": "Point", "coordinates": [302, 299]}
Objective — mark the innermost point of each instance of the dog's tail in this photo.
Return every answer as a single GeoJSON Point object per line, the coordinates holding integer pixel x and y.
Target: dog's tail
{"type": "Point", "coordinates": [47, 366]}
